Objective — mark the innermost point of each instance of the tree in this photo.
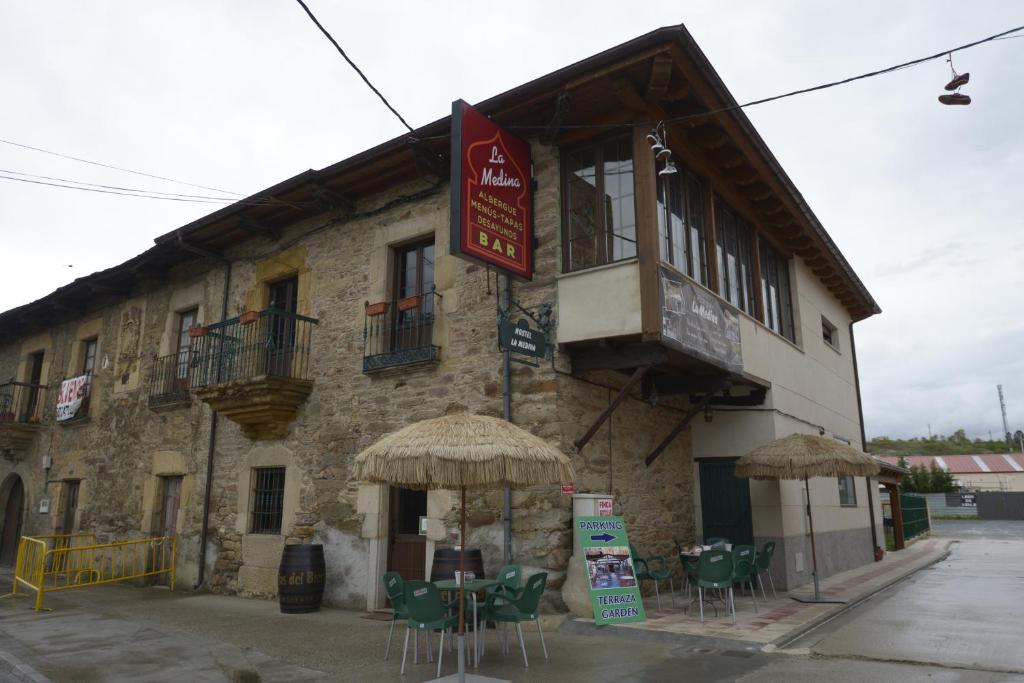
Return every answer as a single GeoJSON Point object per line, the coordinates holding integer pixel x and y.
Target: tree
{"type": "Point", "coordinates": [940, 480]}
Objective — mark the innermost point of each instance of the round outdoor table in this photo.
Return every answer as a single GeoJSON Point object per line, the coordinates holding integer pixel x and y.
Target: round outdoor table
{"type": "Point", "coordinates": [472, 587]}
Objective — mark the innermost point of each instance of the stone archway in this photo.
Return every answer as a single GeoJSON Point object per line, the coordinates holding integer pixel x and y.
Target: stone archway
{"type": "Point", "coordinates": [12, 505]}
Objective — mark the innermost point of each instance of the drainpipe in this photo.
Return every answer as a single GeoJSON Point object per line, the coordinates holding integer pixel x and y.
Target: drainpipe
{"type": "Point", "coordinates": [506, 401]}
{"type": "Point", "coordinates": [863, 441]}
{"type": "Point", "coordinates": [211, 446]}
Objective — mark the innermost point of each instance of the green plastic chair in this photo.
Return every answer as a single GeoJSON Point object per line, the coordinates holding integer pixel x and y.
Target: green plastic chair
{"type": "Point", "coordinates": [642, 567]}
{"type": "Point", "coordinates": [689, 564]}
{"type": "Point", "coordinates": [394, 588]}
{"type": "Point", "coordinates": [714, 570]}
{"type": "Point", "coordinates": [510, 576]}
{"type": "Point", "coordinates": [763, 565]}
{"type": "Point", "coordinates": [744, 570]}
{"type": "Point", "coordinates": [427, 612]}
{"type": "Point", "coordinates": [515, 608]}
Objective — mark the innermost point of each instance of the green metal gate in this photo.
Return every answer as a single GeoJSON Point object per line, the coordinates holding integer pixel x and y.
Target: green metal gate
{"type": "Point", "coordinates": [915, 515]}
{"type": "Point", "coordinates": [725, 502]}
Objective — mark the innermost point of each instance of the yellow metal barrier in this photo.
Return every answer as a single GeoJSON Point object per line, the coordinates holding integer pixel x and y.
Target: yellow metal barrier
{"type": "Point", "coordinates": [61, 562]}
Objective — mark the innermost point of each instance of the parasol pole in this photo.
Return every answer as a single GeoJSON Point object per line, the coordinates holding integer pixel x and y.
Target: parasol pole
{"type": "Point", "coordinates": [462, 587]}
{"type": "Point", "coordinates": [814, 553]}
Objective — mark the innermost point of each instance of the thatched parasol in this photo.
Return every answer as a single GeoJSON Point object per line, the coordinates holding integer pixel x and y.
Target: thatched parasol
{"type": "Point", "coordinates": [802, 456]}
{"type": "Point", "coordinates": [459, 451]}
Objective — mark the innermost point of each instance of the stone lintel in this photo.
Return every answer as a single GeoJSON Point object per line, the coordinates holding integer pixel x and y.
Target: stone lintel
{"type": "Point", "coordinates": [262, 406]}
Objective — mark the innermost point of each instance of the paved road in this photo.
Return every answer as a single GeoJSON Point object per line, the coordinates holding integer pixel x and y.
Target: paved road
{"type": "Point", "coordinates": [956, 622]}
{"type": "Point", "coordinates": [962, 614]}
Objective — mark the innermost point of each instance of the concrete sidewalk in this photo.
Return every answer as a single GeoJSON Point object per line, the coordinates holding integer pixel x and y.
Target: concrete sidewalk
{"type": "Point", "coordinates": [117, 633]}
{"type": "Point", "coordinates": [782, 619]}
{"type": "Point", "coordinates": [121, 633]}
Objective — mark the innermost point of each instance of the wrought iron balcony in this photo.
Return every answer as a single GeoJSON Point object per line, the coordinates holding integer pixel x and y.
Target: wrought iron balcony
{"type": "Point", "coordinates": [268, 342]}
{"type": "Point", "coordinates": [400, 332]}
{"type": "Point", "coordinates": [254, 369]}
{"type": "Point", "coordinates": [21, 413]}
{"type": "Point", "coordinates": [170, 380]}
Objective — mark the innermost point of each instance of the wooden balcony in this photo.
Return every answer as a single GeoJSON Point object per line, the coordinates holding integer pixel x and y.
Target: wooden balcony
{"type": "Point", "coordinates": [254, 369]}
{"type": "Point", "coordinates": [21, 414]}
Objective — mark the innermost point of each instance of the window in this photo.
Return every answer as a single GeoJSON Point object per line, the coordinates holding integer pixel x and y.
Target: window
{"type": "Point", "coordinates": [283, 300]}
{"type": "Point", "coordinates": [847, 492]}
{"type": "Point", "coordinates": [88, 368]}
{"type": "Point", "coordinates": [600, 220]}
{"type": "Point", "coordinates": [266, 504]}
{"type": "Point", "coordinates": [735, 256]}
{"type": "Point", "coordinates": [681, 224]}
{"type": "Point", "coordinates": [186, 321]}
{"type": "Point", "coordinates": [776, 296]}
{"type": "Point", "coordinates": [414, 285]}
{"type": "Point", "coordinates": [829, 333]}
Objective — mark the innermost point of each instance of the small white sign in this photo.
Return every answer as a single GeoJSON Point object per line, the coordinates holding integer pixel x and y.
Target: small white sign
{"type": "Point", "coordinates": [44, 506]}
{"type": "Point", "coordinates": [423, 525]}
{"type": "Point", "coordinates": [604, 507]}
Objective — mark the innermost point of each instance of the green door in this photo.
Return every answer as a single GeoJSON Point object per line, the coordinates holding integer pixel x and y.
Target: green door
{"type": "Point", "coordinates": [725, 502]}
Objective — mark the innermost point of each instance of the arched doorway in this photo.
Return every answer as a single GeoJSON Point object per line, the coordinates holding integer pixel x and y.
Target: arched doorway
{"type": "Point", "coordinates": [12, 502]}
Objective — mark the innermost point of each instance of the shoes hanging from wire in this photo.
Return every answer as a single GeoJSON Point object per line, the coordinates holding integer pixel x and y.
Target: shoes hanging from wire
{"type": "Point", "coordinates": [954, 85]}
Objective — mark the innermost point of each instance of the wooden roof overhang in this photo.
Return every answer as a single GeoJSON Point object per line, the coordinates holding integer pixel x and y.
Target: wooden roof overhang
{"type": "Point", "coordinates": [660, 75]}
{"type": "Point", "coordinates": [889, 473]}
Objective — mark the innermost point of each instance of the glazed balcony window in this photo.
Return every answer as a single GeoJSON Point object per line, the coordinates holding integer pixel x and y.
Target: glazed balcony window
{"type": "Point", "coordinates": [681, 221]}
{"type": "Point", "coordinates": [776, 297]}
{"type": "Point", "coordinates": [600, 220]}
{"type": "Point", "coordinates": [400, 331]}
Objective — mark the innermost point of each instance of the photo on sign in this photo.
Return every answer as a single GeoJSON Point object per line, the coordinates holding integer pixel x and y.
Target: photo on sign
{"type": "Point", "coordinates": [610, 567]}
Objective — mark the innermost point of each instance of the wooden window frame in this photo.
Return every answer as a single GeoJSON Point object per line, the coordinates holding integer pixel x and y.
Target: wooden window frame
{"type": "Point", "coordinates": [771, 257]}
{"type": "Point", "coordinates": [608, 240]}
{"type": "Point", "coordinates": [663, 208]}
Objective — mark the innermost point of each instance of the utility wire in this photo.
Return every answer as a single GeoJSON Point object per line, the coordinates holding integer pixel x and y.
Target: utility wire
{"type": "Point", "coordinates": [353, 65]}
{"type": "Point", "coordinates": [131, 189]}
{"type": "Point", "coordinates": [116, 168]}
{"type": "Point", "coordinates": [223, 201]}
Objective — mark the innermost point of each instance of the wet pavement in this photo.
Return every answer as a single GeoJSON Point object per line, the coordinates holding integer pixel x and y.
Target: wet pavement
{"type": "Point", "coordinates": [956, 621]}
{"type": "Point", "coordinates": [963, 614]}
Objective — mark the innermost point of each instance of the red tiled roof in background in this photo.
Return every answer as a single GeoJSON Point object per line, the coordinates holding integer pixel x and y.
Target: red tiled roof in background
{"type": "Point", "coordinates": [965, 464]}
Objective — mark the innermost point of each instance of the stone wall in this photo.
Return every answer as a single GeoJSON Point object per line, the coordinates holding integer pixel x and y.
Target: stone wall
{"type": "Point", "coordinates": [342, 262]}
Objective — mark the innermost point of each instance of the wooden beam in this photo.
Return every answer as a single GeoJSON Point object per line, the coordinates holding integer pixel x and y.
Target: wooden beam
{"type": "Point", "coordinates": [607, 412]}
{"type": "Point", "coordinates": [684, 423]}
{"type": "Point", "coordinates": [254, 227]}
{"type": "Point", "coordinates": [624, 357]}
{"type": "Point", "coordinates": [327, 198]}
{"type": "Point", "coordinates": [554, 124]}
{"type": "Point", "coordinates": [647, 248]}
{"type": "Point", "coordinates": [628, 97]}
{"type": "Point", "coordinates": [658, 80]}
{"type": "Point", "coordinates": [711, 238]}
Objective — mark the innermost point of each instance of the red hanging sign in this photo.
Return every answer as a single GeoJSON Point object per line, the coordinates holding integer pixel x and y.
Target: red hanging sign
{"type": "Point", "coordinates": [491, 192]}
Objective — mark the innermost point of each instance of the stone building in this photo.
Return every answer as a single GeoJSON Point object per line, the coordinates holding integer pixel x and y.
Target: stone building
{"type": "Point", "coordinates": [236, 368]}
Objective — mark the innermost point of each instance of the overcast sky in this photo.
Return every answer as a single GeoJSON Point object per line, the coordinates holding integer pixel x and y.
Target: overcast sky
{"type": "Point", "coordinates": [924, 200]}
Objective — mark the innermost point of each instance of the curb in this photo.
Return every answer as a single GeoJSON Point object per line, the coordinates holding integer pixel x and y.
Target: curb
{"type": "Point", "coordinates": [781, 642]}
{"type": "Point", "coordinates": [19, 671]}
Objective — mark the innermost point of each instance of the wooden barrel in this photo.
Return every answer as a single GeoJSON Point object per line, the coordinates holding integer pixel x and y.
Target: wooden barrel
{"type": "Point", "coordinates": [446, 563]}
{"type": "Point", "coordinates": [300, 580]}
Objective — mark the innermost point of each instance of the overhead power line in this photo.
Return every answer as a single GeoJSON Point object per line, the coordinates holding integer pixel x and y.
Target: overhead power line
{"type": "Point", "coordinates": [116, 168]}
{"type": "Point", "coordinates": [353, 65]}
{"type": "Point", "coordinates": [144, 194]}
{"type": "Point", "coordinates": [126, 189]}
